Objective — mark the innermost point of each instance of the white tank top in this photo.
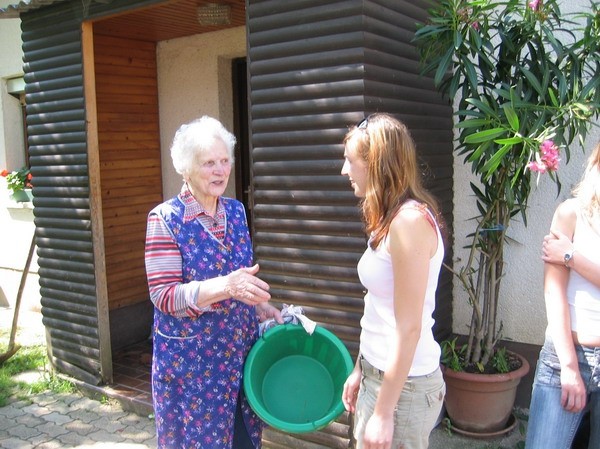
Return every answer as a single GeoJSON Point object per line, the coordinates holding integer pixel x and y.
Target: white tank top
{"type": "Point", "coordinates": [584, 297]}
{"type": "Point", "coordinates": [378, 323]}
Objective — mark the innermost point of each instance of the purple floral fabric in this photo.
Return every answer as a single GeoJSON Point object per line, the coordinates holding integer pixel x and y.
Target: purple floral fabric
{"type": "Point", "coordinates": [198, 362]}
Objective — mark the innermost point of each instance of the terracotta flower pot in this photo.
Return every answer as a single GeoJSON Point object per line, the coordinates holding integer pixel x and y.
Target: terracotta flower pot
{"type": "Point", "coordinates": [482, 403]}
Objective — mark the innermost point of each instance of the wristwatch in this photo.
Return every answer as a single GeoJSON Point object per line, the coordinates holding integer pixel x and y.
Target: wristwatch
{"type": "Point", "coordinates": [567, 258]}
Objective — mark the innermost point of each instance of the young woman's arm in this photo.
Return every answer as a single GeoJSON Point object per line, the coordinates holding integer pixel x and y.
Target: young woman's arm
{"type": "Point", "coordinates": [556, 245]}
{"type": "Point", "coordinates": [412, 243]}
{"type": "Point", "coordinates": [556, 277]}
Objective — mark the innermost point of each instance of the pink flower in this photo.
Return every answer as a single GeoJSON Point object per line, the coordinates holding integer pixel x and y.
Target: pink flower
{"type": "Point", "coordinates": [537, 166]}
{"type": "Point", "coordinates": [546, 160]}
{"type": "Point", "coordinates": [550, 155]}
{"type": "Point", "coordinates": [534, 4]}
{"type": "Point", "coordinates": [475, 25]}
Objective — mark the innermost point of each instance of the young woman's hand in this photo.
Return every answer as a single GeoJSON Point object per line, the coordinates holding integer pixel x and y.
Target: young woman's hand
{"type": "Point", "coordinates": [555, 246]}
{"type": "Point", "coordinates": [379, 432]}
{"type": "Point", "coordinates": [573, 394]}
{"type": "Point", "coordinates": [351, 387]}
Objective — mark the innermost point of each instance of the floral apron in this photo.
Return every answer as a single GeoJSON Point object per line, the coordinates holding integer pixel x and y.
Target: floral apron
{"type": "Point", "coordinates": [198, 362]}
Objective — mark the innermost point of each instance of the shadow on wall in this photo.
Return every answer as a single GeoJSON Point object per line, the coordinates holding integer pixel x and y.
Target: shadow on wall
{"type": "Point", "coordinates": [3, 300]}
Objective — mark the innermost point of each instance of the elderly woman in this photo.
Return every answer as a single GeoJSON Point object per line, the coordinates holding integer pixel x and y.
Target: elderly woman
{"type": "Point", "coordinates": [207, 299]}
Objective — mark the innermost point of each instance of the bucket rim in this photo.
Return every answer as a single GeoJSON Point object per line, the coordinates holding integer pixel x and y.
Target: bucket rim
{"type": "Point", "coordinates": [261, 411]}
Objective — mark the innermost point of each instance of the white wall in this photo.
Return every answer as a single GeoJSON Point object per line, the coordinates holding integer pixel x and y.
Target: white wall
{"type": "Point", "coordinates": [16, 219]}
{"type": "Point", "coordinates": [522, 310]}
{"type": "Point", "coordinates": [194, 79]}
{"type": "Point", "coordinates": [11, 61]}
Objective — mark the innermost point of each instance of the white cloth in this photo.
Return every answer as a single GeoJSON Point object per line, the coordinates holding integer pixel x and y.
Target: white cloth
{"type": "Point", "coordinates": [378, 322]}
{"type": "Point", "coordinates": [584, 297]}
{"type": "Point", "coordinates": [291, 314]}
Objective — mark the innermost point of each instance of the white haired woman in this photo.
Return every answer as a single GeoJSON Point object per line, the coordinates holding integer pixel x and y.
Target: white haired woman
{"type": "Point", "coordinates": [207, 299]}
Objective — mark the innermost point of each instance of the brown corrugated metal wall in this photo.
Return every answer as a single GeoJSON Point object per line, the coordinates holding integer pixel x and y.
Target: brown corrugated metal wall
{"type": "Point", "coordinates": [315, 68]}
{"type": "Point", "coordinates": [58, 153]}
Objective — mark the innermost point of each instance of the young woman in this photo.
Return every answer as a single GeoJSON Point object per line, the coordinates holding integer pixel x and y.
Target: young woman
{"type": "Point", "coordinates": [567, 378]}
{"type": "Point", "coordinates": [396, 389]}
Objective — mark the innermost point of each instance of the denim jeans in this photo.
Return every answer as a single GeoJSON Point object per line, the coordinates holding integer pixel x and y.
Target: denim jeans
{"type": "Point", "coordinates": [550, 425]}
{"type": "Point", "coordinates": [416, 413]}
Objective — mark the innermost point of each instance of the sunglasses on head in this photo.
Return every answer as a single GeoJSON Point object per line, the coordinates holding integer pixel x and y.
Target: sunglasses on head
{"type": "Point", "coordinates": [364, 122]}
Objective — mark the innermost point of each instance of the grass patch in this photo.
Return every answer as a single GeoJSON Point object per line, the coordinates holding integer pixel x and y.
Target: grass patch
{"type": "Point", "coordinates": [29, 358]}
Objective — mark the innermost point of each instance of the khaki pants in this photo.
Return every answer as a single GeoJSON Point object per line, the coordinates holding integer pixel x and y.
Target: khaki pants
{"type": "Point", "coordinates": [416, 413]}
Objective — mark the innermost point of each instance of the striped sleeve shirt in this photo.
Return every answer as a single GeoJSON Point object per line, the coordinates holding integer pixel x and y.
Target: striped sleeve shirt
{"type": "Point", "coordinates": [164, 264]}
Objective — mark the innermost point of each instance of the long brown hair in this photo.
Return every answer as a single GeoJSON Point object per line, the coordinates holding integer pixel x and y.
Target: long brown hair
{"type": "Point", "coordinates": [393, 176]}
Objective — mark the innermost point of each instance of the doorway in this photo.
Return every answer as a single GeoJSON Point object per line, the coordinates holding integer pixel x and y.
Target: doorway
{"type": "Point", "coordinates": [242, 169]}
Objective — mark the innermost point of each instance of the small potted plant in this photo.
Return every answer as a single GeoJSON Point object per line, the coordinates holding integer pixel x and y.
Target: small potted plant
{"type": "Point", "coordinates": [18, 182]}
{"type": "Point", "coordinates": [524, 80]}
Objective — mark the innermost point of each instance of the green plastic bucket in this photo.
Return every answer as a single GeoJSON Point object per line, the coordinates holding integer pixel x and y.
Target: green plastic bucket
{"type": "Point", "coordinates": [294, 381]}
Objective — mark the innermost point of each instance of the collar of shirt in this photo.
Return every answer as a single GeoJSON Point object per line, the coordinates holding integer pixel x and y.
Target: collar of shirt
{"type": "Point", "coordinates": [194, 209]}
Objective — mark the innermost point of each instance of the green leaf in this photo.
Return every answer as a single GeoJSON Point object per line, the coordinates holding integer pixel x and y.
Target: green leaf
{"type": "Point", "coordinates": [532, 80]}
{"type": "Point", "coordinates": [512, 117]}
{"type": "Point", "coordinates": [553, 97]}
{"type": "Point", "coordinates": [476, 155]}
{"type": "Point", "coordinates": [443, 67]}
{"type": "Point", "coordinates": [472, 123]}
{"type": "Point", "coordinates": [458, 40]}
{"type": "Point", "coordinates": [471, 75]}
{"type": "Point", "coordinates": [491, 165]}
{"type": "Point", "coordinates": [583, 107]}
{"type": "Point", "coordinates": [481, 105]}
{"type": "Point", "coordinates": [485, 135]}
{"type": "Point", "coordinates": [510, 140]}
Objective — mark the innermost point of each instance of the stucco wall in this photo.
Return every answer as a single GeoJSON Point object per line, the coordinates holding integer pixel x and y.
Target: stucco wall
{"type": "Point", "coordinates": [522, 309]}
{"type": "Point", "coordinates": [194, 79]}
{"type": "Point", "coordinates": [16, 219]}
{"type": "Point", "coordinates": [11, 61]}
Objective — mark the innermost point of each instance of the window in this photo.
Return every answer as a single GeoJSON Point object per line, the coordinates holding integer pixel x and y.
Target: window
{"type": "Point", "coordinates": [16, 141]}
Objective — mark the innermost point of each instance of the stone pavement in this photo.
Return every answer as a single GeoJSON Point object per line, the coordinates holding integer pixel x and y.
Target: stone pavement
{"type": "Point", "coordinates": [65, 420]}
{"type": "Point", "coordinates": [70, 420]}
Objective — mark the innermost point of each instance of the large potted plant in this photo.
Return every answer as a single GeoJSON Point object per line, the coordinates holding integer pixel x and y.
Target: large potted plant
{"type": "Point", "coordinates": [524, 79]}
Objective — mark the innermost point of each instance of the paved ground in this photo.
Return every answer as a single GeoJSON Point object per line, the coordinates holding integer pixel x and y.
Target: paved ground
{"type": "Point", "coordinates": [51, 421]}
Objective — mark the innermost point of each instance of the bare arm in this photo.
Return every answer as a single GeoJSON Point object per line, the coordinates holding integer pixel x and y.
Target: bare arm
{"type": "Point", "coordinates": [412, 243]}
{"type": "Point", "coordinates": [556, 277]}
{"type": "Point", "coordinates": [556, 245]}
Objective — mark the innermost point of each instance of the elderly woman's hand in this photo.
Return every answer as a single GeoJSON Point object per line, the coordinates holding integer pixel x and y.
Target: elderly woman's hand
{"type": "Point", "coordinates": [244, 286]}
{"type": "Point", "coordinates": [266, 311]}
